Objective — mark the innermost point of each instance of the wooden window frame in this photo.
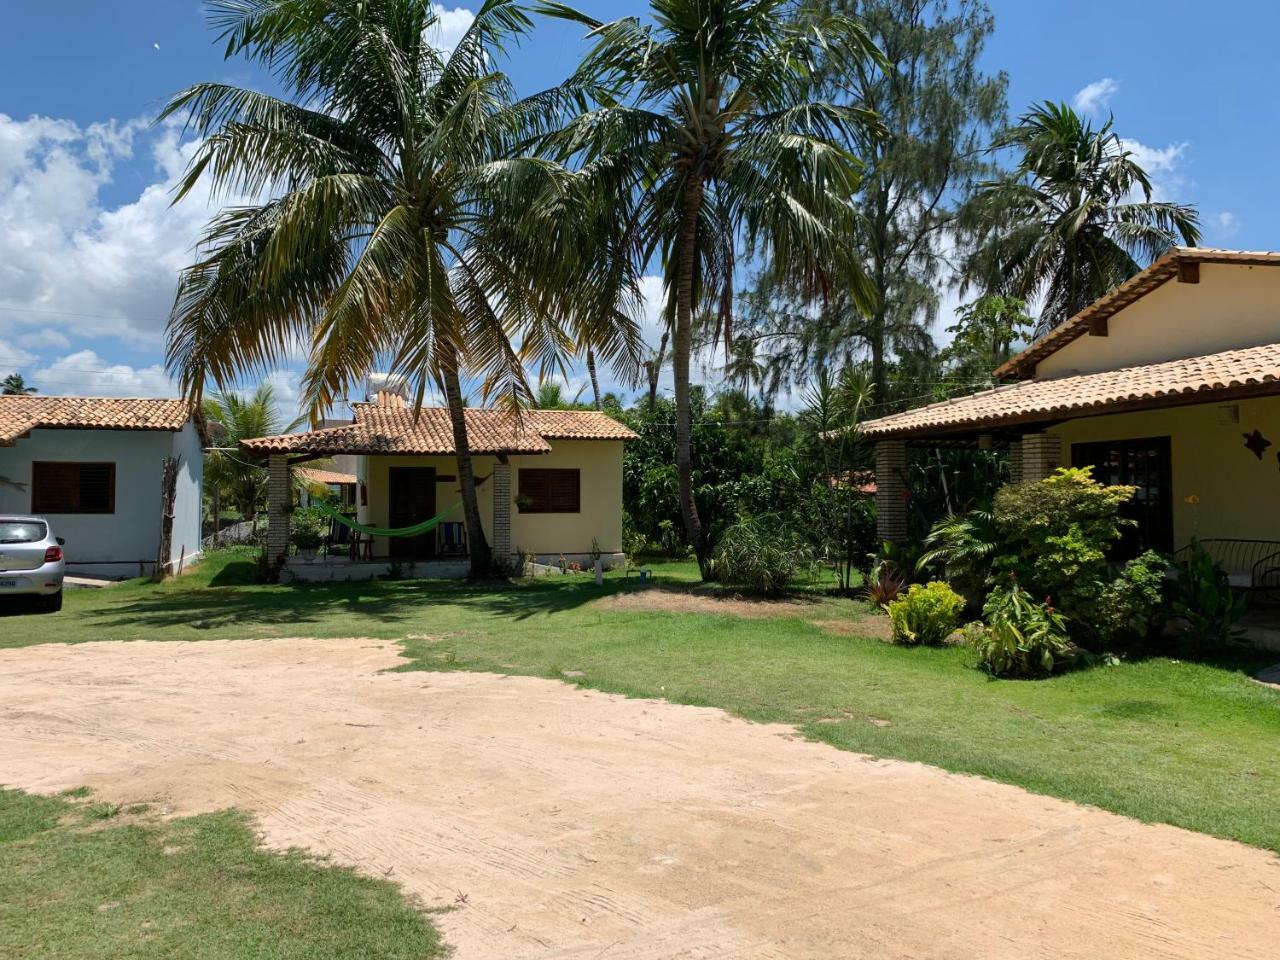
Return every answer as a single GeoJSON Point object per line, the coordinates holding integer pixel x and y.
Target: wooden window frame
{"type": "Point", "coordinates": [37, 487]}
{"type": "Point", "coordinates": [531, 478]}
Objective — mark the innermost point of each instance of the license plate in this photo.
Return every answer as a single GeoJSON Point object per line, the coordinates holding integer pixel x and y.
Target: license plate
{"type": "Point", "coordinates": [8, 584]}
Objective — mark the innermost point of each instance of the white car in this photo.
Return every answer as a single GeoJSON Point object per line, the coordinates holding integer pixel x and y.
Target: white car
{"type": "Point", "coordinates": [31, 561]}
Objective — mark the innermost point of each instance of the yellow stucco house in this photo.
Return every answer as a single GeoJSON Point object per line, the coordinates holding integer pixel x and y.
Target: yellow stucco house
{"type": "Point", "coordinates": [549, 485]}
{"type": "Point", "coordinates": [1170, 383]}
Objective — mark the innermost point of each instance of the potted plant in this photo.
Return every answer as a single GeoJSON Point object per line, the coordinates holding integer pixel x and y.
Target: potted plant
{"type": "Point", "coordinates": [307, 533]}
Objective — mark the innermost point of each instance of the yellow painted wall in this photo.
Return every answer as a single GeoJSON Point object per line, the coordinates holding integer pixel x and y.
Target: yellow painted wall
{"type": "Point", "coordinates": [376, 474]}
{"type": "Point", "coordinates": [1239, 495]}
{"type": "Point", "coordinates": [601, 516]}
{"type": "Point", "coordinates": [1233, 306]}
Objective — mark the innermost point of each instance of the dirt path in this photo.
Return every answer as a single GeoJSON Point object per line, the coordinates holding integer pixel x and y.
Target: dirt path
{"type": "Point", "coordinates": [580, 825]}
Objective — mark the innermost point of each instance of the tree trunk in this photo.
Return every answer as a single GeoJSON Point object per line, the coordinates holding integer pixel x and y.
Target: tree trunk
{"type": "Point", "coordinates": [168, 493]}
{"type": "Point", "coordinates": [217, 516]}
{"type": "Point", "coordinates": [595, 381]}
{"type": "Point", "coordinates": [680, 358]}
{"type": "Point", "coordinates": [481, 555]}
{"type": "Point", "coordinates": [654, 369]}
{"type": "Point", "coordinates": [879, 377]}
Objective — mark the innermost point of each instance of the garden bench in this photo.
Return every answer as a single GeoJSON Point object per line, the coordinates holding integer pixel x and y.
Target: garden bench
{"type": "Point", "coordinates": [1252, 565]}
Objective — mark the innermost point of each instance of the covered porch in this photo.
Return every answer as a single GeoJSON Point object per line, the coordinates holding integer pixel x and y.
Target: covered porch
{"type": "Point", "coordinates": [1198, 438]}
{"type": "Point", "coordinates": [548, 486]}
{"type": "Point", "coordinates": [394, 492]}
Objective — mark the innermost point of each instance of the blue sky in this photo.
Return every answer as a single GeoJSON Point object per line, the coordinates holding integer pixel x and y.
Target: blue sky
{"type": "Point", "coordinates": [89, 248]}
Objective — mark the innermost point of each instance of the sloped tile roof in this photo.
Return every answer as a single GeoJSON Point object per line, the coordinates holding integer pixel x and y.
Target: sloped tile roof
{"type": "Point", "coordinates": [387, 426]}
{"type": "Point", "coordinates": [1252, 371]}
{"type": "Point", "coordinates": [318, 475]}
{"type": "Point", "coordinates": [1135, 288]}
{"type": "Point", "coordinates": [19, 414]}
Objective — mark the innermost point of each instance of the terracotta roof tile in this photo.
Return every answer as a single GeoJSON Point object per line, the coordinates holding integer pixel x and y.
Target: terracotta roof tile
{"type": "Point", "coordinates": [388, 427]}
{"type": "Point", "coordinates": [1135, 288]}
{"type": "Point", "coordinates": [19, 414]}
{"type": "Point", "coordinates": [1253, 371]}
{"type": "Point", "coordinates": [318, 475]}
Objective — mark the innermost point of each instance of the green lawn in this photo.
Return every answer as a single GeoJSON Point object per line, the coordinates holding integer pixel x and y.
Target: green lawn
{"type": "Point", "coordinates": [82, 880]}
{"type": "Point", "coordinates": [1192, 744]}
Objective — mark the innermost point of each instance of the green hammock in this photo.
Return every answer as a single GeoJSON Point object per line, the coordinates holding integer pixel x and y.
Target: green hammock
{"type": "Point", "coordinates": [417, 530]}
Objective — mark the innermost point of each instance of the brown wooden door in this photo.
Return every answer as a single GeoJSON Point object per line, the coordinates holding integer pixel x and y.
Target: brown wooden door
{"type": "Point", "coordinates": [1144, 463]}
{"type": "Point", "coordinates": [412, 499]}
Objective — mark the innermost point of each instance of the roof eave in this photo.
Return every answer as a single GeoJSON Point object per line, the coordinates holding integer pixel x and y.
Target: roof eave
{"type": "Point", "coordinates": [1154, 276]}
{"type": "Point", "coordinates": [1183, 398]}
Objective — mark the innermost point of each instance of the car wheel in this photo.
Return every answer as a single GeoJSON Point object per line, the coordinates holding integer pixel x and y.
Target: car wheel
{"type": "Point", "coordinates": [52, 603]}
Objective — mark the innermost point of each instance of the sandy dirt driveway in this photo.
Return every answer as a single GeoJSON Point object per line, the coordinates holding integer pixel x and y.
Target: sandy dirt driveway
{"type": "Point", "coordinates": [580, 825]}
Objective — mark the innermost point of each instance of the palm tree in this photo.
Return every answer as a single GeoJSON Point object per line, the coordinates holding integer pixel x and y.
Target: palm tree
{"type": "Point", "coordinates": [14, 386]}
{"type": "Point", "coordinates": [238, 418]}
{"type": "Point", "coordinates": [551, 396]}
{"type": "Point", "coordinates": [1074, 219]}
{"type": "Point", "coordinates": [404, 229]}
{"type": "Point", "coordinates": [706, 129]}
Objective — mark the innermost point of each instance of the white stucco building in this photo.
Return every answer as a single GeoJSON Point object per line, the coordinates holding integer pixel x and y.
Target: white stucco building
{"type": "Point", "coordinates": [94, 467]}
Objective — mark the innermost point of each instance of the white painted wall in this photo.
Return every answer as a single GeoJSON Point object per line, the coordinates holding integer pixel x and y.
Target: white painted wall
{"type": "Point", "coordinates": [188, 505]}
{"type": "Point", "coordinates": [125, 542]}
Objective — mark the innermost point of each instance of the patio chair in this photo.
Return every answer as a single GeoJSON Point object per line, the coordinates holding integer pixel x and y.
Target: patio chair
{"type": "Point", "coordinates": [1251, 565]}
{"type": "Point", "coordinates": [361, 546]}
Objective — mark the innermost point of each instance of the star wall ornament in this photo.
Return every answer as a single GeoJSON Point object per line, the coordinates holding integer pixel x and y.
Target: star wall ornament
{"type": "Point", "coordinates": [1256, 443]}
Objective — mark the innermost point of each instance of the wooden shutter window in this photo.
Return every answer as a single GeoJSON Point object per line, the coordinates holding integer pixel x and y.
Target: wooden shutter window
{"type": "Point", "coordinates": [550, 491]}
{"type": "Point", "coordinates": [73, 487]}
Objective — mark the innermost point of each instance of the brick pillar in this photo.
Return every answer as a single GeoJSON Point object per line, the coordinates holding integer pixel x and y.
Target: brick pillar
{"type": "Point", "coordinates": [1015, 462]}
{"type": "Point", "coordinates": [502, 510]}
{"type": "Point", "coordinates": [279, 494]}
{"type": "Point", "coordinates": [1041, 455]}
{"type": "Point", "coordinates": [891, 504]}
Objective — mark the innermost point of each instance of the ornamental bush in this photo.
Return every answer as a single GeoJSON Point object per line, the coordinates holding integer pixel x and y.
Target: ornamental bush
{"type": "Point", "coordinates": [762, 555]}
{"type": "Point", "coordinates": [1057, 532]}
{"type": "Point", "coordinates": [1132, 606]}
{"type": "Point", "coordinates": [1022, 638]}
{"type": "Point", "coordinates": [1054, 535]}
{"type": "Point", "coordinates": [925, 614]}
{"type": "Point", "coordinates": [308, 528]}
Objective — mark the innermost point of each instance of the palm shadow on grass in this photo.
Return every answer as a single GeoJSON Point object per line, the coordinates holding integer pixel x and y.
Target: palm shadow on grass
{"type": "Point", "coordinates": [405, 604]}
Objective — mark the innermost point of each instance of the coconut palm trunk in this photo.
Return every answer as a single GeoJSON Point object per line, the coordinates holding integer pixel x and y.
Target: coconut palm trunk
{"type": "Point", "coordinates": [713, 147]}
{"type": "Point", "coordinates": [681, 356]}
{"type": "Point", "coordinates": [595, 380]}
{"type": "Point", "coordinates": [481, 554]}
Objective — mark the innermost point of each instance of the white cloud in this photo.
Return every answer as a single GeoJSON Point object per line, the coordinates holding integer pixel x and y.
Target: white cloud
{"type": "Point", "coordinates": [1096, 97]}
{"type": "Point", "coordinates": [1155, 159]}
{"type": "Point", "coordinates": [70, 260]}
{"type": "Point", "coordinates": [44, 338]}
{"type": "Point", "coordinates": [85, 374]}
{"type": "Point", "coordinates": [1163, 166]}
{"type": "Point", "coordinates": [13, 359]}
{"type": "Point", "coordinates": [451, 25]}
{"type": "Point", "coordinates": [1222, 226]}
{"type": "Point", "coordinates": [653, 293]}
